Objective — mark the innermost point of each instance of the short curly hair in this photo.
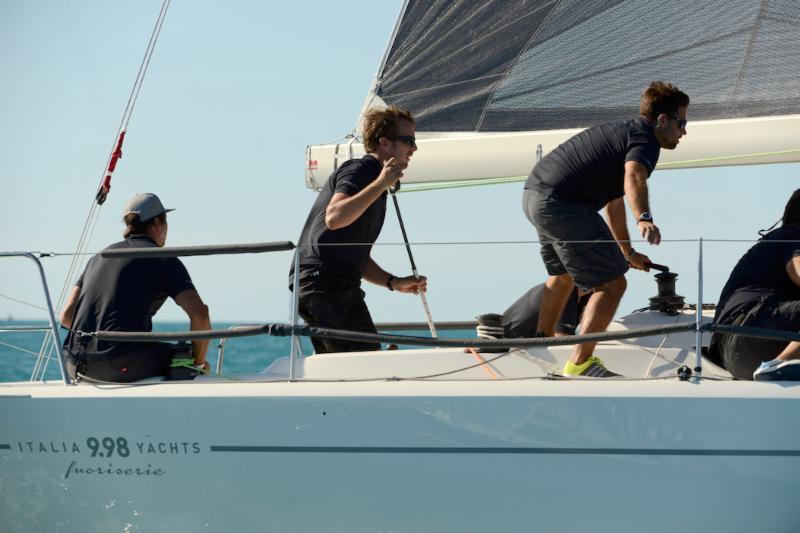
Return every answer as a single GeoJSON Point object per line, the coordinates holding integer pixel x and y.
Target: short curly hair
{"type": "Point", "coordinates": [660, 97]}
{"type": "Point", "coordinates": [383, 123]}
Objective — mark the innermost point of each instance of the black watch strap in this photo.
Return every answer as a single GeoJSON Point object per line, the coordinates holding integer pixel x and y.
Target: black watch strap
{"type": "Point", "coordinates": [389, 282]}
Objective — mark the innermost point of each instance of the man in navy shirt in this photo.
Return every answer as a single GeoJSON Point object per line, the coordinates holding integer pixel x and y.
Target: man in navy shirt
{"type": "Point", "coordinates": [123, 294]}
{"type": "Point", "coordinates": [593, 170]}
{"type": "Point", "coordinates": [763, 291]}
{"type": "Point", "coordinates": [341, 228]}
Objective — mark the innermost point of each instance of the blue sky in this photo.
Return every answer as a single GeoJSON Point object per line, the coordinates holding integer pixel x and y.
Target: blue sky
{"type": "Point", "coordinates": [234, 93]}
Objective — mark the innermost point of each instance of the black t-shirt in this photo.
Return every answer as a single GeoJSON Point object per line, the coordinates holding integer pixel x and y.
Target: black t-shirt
{"type": "Point", "coordinates": [351, 178]}
{"type": "Point", "coordinates": [589, 168]}
{"type": "Point", "coordinates": [761, 272]}
{"type": "Point", "coordinates": [123, 294]}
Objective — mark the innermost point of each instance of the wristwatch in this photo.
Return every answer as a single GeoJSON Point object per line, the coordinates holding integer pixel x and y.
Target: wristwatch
{"type": "Point", "coordinates": [645, 217]}
{"type": "Point", "coordinates": [389, 282]}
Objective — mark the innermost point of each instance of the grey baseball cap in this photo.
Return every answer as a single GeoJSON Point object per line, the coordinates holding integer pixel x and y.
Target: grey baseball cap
{"type": "Point", "coordinates": [146, 205]}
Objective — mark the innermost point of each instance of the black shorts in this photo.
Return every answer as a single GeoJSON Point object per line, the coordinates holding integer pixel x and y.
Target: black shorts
{"type": "Point", "coordinates": [139, 361]}
{"type": "Point", "coordinates": [589, 263]}
{"type": "Point", "coordinates": [741, 355]}
{"type": "Point", "coordinates": [332, 302]}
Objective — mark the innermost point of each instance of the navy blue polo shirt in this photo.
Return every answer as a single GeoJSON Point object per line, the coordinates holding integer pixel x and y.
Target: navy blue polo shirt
{"type": "Point", "coordinates": [355, 240]}
{"type": "Point", "coordinates": [123, 294]}
{"type": "Point", "coordinates": [589, 168]}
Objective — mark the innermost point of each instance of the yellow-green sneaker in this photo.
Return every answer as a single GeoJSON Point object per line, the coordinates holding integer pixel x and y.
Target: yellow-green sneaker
{"type": "Point", "coordinates": [592, 367]}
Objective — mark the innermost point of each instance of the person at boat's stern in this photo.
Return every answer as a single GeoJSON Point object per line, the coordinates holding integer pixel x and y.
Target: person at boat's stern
{"type": "Point", "coordinates": [521, 319]}
{"type": "Point", "coordinates": [763, 291]}
{"type": "Point", "coordinates": [123, 294]}
{"type": "Point", "coordinates": [341, 228]}
{"type": "Point", "coordinates": [597, 169]}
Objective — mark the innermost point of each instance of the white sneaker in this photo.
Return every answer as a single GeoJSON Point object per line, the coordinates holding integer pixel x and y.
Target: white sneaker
{"type": "Point", "coordinates": [778, 370]}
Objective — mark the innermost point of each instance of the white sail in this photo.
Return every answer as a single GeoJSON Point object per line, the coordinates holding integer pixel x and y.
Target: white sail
{"type": "Point", "coordinates": [491, 81]}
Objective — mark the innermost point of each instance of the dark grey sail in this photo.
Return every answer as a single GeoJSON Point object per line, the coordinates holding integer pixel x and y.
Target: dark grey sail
{"type": "Point", "coordinates": [522, 65]}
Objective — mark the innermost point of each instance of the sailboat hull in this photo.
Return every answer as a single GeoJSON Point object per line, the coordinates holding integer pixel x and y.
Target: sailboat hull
{"type": "Point", "coordinates": [401, 456]}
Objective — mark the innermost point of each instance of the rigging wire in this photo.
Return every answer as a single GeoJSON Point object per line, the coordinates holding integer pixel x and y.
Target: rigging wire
{"type": "Point", "coordinates": [23, 302]}
{"type": "Point", "coordinates": [20, 348]}
{"type": "Point", "coordinates": [105, 186]}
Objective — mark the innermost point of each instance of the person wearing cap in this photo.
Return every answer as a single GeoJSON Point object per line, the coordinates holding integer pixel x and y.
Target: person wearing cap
{"type": "Point", "coordinates": [123, 294]}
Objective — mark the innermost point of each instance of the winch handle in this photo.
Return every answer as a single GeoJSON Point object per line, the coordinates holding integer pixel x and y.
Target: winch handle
{"type": "Point", "coordinates": [656, 266]}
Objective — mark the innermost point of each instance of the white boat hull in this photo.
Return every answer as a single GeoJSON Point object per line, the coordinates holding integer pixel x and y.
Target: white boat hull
{"type": "Point", "coordinates": [401, 456]}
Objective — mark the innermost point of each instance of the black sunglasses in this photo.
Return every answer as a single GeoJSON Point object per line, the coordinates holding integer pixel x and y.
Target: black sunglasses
{"type": "Point", "coordinates": [681, 122]}
{"type": "Point", "coordinates": [410, 140]}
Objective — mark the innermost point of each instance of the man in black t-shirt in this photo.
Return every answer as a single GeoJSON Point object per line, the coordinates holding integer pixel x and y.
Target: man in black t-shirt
{"type": "Point", "coordinates": [563, 194]}
{"type": "Point", "coordinates": [123, 294]}
{"type": "Point", "coordinates": [763, 291]}
{"type": "Point", "coordinates": [341, 228]}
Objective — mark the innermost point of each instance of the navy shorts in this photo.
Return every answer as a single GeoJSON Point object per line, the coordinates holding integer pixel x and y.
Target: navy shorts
{"type": "Point", "coordinates": [589, 263]}
{"type": "Point", "coordinates": [742, 355]}
{"type": "Point", "coordinates": [130, 362]}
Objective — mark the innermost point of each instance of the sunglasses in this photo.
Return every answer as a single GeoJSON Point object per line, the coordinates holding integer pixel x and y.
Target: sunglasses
{"type": "Point", "coordinates": [410, 140]}
{"type": "Point", "coordinates": [681, 122]}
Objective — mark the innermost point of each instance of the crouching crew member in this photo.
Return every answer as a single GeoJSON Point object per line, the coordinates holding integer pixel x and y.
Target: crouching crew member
{"type": "Point", "coordinates": [763, 291]}
{"type": "Point", "coordinates": [521, 319]}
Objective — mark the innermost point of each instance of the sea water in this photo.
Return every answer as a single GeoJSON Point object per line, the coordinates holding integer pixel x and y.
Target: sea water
{"type": "Point", "coordinates": [241, 354]}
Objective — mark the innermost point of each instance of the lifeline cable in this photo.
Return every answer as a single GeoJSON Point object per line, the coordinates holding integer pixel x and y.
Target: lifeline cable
{"type": "Point", "coordinates": [287, 330]}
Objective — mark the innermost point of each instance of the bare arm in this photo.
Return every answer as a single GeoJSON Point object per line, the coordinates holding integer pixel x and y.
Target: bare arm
{"type": "Point", "coordinates": [68, 312]}
{"type": "Point", "coordinates": [344, 209]}
{"type": "Point", "coordinates": [636, 188]}
{"type": "Point", "coordinates": [793, 269]}
{"type": "Point", "coordinates": [636, 193]}
{"type": "Point", "coordinates": [193, 306]}
{"type": "Point", "coordinates": [375, 274]}
{"type": "Point", "coordinates": [615, 214]}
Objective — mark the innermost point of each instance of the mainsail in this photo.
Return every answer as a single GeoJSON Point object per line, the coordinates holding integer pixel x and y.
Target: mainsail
{"type": "Point", "coordinates": [496, 79]}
